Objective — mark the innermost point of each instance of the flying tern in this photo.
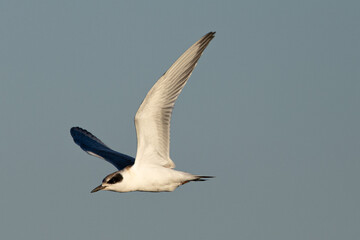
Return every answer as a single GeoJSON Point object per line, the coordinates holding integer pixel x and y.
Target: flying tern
{"type": "Point", "coordinates": [152, 170]}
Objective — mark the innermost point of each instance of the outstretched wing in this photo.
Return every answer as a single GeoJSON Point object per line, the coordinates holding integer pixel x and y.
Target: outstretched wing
{"type": "Point", "coordinates": [152, 120]}
{"type": "Point", "coordinates": [93, 146]}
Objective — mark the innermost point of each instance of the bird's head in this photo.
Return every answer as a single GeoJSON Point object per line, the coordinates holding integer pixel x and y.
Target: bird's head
{"type": "Point", "coordinates": [109, 181]}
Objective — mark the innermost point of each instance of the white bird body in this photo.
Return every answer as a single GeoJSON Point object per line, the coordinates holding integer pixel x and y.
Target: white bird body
{"type": "Point", "coordinates": [152, 170]}
{"type": "Point", "coordinates": [150, 178]}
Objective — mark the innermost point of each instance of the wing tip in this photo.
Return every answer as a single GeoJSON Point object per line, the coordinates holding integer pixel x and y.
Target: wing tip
{"type": "Point", "coordinates": [204, 41]}
{"type": "Point", "coordinates": [75, 130]}
{"type": "Point", "coordinates": [209, 35]}
{"type": "Point", "coordinates": [78, 132]}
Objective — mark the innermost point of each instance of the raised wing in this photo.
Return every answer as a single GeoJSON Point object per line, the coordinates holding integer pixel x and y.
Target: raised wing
{"type": "Point", "coordinates": [152, 120]}
{"type": "Point", "coordinates": [93, 146]}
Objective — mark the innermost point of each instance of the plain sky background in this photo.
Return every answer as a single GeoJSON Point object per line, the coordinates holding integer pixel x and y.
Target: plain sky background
{"type": "Point", "coordinates": [272, 110]}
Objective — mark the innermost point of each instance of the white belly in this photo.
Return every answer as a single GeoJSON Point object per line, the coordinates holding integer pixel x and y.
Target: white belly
{"type": "Point", "coordinates": [151, 179]}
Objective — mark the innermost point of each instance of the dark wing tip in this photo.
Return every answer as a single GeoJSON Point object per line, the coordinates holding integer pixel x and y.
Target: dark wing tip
{"type": "Point", "coordinates": [209, 35]}
{"type": "Point", "coordinates": [78, 132]}
{"type": "Point", "coordinates": [74, 130]}
{"type": "Point", "coordinates": [204, 41]}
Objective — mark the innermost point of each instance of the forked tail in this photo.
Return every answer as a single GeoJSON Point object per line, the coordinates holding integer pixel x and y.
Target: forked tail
{"type": "Point", "coordinates": [202, 178]}
{"type": "Point", "coordinates": [198, 179]}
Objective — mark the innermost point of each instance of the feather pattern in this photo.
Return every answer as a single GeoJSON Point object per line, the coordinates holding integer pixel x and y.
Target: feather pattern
{"type": "Point", "coordinates": [94, 146]}
{"type": "Point", "coordinates": [152, 120]}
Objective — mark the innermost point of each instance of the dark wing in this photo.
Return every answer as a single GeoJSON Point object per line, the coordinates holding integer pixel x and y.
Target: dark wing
{"type": "Point", "coordinates": [93, 146]}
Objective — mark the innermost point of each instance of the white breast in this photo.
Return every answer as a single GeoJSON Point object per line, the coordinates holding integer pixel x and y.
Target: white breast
{"type": "Point", "coordinates": [151, 178]}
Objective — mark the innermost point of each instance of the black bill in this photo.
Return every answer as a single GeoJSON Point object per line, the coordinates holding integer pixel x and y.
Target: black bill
{"type": "Point", "coordinates": [98, 188]}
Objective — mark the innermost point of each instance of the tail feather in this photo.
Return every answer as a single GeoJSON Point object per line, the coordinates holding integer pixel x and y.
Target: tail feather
{"type": "Point", "coordinates": [201, 178]}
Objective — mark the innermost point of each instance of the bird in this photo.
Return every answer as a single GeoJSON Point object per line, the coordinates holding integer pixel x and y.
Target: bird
{"type": "Point", "coordinates": [152, 170]}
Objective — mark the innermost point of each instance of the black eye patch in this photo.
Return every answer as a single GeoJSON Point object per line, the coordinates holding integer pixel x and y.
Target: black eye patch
{"type": "Point", "coordinates": [117, 178]}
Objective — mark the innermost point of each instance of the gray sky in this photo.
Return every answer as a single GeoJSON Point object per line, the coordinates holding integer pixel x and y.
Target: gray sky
{"type": "Point", "coordinates": [272, 110]}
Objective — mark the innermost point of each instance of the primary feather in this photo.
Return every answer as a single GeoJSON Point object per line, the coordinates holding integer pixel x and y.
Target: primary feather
{"type": "Point", "coordinates": [93, 146]}
{"type": "Point", "coordinates": [152, 120]}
